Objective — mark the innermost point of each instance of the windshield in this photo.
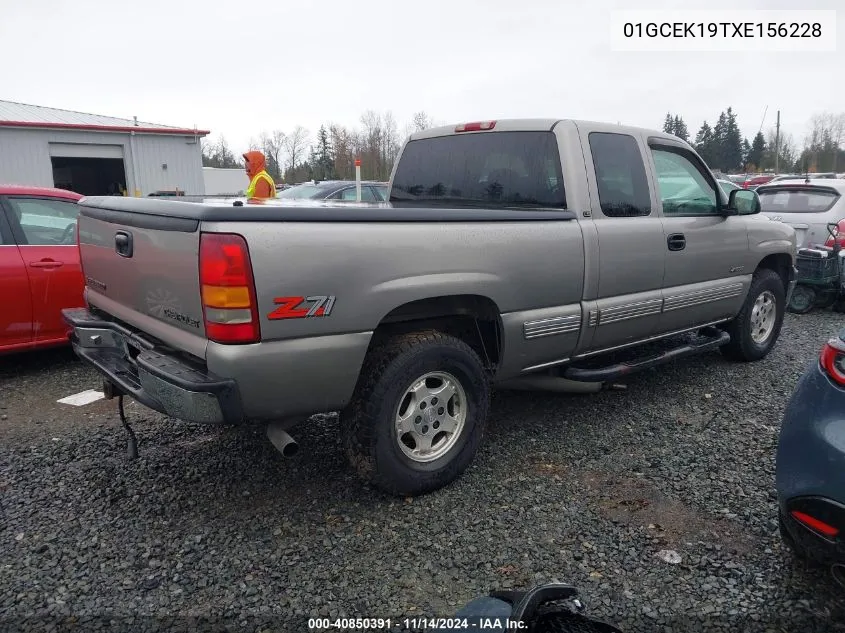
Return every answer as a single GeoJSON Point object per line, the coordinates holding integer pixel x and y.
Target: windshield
{"type": "Point", "coordinates": [300, 192]}
{"type": "Point", "coordinates": [492, 168]}
{"type": "Point", "coordinates": [797, 200]}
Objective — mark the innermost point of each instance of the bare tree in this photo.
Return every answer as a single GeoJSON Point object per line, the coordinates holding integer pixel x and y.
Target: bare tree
{"type": "Point", "coordinates": [344, 143]}
{"type": "Point", "coordinates": [390, 146]}
{"type": "Point", "coordinates": [273, 145]}
{"type": "Point", "coordinates": [218, 154]}
{"type": "Point", "coordinates": [838, 136]}
{"type": "Point", "coordinates": [296, 143]}
{"type": "Point", "coordinates": [421, 121]}
{"type": "Point", "coordinates": [824, 143]}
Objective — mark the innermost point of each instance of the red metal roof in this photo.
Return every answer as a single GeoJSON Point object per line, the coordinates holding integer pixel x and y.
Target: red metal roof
{"type": "Point", "coordinates": [48, 192]}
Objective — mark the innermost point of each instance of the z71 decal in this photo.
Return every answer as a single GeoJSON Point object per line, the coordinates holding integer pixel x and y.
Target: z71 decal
{"type": "Point", "coordinates": [302, 307]}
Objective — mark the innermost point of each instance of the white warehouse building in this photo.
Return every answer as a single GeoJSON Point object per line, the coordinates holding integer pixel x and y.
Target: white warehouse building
{"type": "Point", "coordinates": [97, 155]}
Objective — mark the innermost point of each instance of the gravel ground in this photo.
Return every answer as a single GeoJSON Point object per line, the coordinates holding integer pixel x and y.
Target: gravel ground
{"type": "Point", "coordinates": [212, 523]}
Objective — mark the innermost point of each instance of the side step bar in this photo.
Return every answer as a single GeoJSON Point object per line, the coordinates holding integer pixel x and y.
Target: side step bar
{"type": "Point", "coordinates": [710, 338]}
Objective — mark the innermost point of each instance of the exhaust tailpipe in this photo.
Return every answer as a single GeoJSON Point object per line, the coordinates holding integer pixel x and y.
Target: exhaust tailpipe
{"type": "Point", "coordinates": [283, 442]}
{"type": "Point", "coordinates": [838, 573]}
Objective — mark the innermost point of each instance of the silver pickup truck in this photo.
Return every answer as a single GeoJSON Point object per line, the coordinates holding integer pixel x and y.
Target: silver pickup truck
{"type": "Point", "coordinates": [519, 252]}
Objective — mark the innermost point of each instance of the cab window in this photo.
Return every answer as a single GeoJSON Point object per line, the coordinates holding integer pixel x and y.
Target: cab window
{"type": "Point", "coordinates": [684, 189]}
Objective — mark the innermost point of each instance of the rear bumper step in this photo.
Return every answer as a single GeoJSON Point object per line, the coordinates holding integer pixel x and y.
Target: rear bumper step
{"type": "Point", "coordinates": [154, 376]}
{"type": "Point", "coordinates": [710, 338]}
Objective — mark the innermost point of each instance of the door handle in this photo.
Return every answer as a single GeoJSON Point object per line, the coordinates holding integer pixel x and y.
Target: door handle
{"type": "Point", "coordinates": [676, 242]}
{"type": "Point", "coordinates": [123, 243]}
{"type": "Point", "coordinates": [46, 263]}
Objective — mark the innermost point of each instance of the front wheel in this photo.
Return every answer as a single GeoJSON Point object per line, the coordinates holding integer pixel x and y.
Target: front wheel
{"type": "Point", "coordinates": [418, 414]}
{"type": "Point", "coordinates": [756, 328]}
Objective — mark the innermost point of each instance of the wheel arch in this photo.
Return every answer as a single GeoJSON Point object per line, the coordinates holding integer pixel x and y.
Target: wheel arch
{"type": "Point", "coordinates": [475, 319]}
{"type": "Point", "coordinates": [780, 263]}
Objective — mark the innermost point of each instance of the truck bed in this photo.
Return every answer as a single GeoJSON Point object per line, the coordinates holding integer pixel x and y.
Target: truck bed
{"type": "Point", "coordinates": [143, 212]}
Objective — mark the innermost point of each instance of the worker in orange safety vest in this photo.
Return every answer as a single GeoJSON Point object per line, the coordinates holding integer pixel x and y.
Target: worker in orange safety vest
{"type": "Point", "coordinates": [261, 185]}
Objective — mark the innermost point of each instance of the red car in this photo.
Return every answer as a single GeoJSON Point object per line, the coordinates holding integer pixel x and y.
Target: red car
{"type": "Point", "coordinates": [756, 181]}
{"type": "Point", "coordinates": [39, 266]}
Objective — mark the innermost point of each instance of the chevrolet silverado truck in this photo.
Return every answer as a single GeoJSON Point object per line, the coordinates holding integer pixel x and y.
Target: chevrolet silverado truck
{"type": "Point", "coordinates": [511, 252]}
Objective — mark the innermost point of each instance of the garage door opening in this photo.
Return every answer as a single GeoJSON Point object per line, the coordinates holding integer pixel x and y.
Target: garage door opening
{"type": "Point", "coordinates": [90, 176]}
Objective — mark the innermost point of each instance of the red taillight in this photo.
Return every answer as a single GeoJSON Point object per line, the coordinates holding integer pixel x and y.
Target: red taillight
{"type": "Point", "coordinates": [815, 524]}
{"type": "Point", "coordinates": [832, 360]}
{"type": "Point", "coordinates": [230, 310]}
{"type": "Point", "coordinates": [477, 126]}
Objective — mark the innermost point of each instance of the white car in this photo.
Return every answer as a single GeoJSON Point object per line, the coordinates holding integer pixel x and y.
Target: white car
{"type": "Point", "coordinates": [807, 205]}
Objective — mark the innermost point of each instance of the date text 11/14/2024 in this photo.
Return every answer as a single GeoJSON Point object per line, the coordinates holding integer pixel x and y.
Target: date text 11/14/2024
{"type": "Point", "coordinates": [415, 624]}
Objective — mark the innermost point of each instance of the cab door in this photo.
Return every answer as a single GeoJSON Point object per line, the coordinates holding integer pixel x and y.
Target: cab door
{"type": "Point", "coordinates": [627, 306]}
{"type": "Point", "coordinates": [45, 229]}
{"type": "Point", "coordinates": [708, 261]}
{"type": "Point", "coordinates": [16, 314]}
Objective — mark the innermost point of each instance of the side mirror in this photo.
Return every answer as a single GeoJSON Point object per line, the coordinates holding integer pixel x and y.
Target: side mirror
{"type": "Point", "coordinates": [744, 202]}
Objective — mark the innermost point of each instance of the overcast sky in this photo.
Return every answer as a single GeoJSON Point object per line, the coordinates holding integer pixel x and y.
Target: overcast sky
{"type": "Point", "coordinates": [238, 68]}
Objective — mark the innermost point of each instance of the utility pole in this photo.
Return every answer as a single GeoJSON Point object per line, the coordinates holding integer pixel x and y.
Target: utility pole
{"type": "Point", "coordinates": [777, 145]}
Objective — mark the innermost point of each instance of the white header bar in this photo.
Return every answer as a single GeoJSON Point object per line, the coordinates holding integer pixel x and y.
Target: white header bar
{"type": "Point", "coordinates": [723, 30]}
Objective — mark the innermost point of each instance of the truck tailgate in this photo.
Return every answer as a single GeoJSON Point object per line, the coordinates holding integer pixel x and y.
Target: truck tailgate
{"type": "Point", "coordinates": [144, 270]}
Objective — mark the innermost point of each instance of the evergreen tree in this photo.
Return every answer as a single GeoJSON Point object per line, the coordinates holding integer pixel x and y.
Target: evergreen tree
{"type": "Point", "coordinates": [732, 144]}
{"type": "Point", "coordinates": [705, 144]}
{"type": "Point", "coordinates": [322, 156]}
{"type": "Point", "coordinates": [758, 147]}
{"type": "Point", "coordinates": [674, 124]}
{"type": "Point", "coordinates": [746, 152]}
{"type": "Point", "coordinates": [720, 141]}
{"type": "Point", "coordinates": [680, 128]}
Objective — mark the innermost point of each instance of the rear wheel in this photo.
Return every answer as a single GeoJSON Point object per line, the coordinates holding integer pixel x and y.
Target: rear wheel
{"type": "Point", "coordinates": [418, 414]}
{"type": "Point", "coordinates": [756, 328]}
{"type": "Point", "coordinates": [803, 299]}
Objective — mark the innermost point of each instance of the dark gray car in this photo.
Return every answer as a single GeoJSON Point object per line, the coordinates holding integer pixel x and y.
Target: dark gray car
{"type": "Point", "coordinates": [336, 190]}
{"type": "Point", "coordinates": [811, 462]}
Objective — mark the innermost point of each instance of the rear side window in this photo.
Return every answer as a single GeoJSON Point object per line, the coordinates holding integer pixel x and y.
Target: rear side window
{"type": "Point", "coordinates": [351, 193]}
{"type": "Point", "coordinates": [45, 222]}
{"type": "Point", "coordinates": [301, 192]}
{"type": "Point", "coordinates": [495, 169]}
{"type": "Point", "coordinates": [795, 200]}
{"type": "Point", "coordinates": [620, 175]}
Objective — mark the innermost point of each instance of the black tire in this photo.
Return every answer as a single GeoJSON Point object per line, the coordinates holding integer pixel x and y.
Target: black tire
{"type": "Point", "coordinates": [742, 346]}
{"type": "Point", "coordinates": [368, 423]}
{"type": "Point", "coordinates": [803, 300]}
